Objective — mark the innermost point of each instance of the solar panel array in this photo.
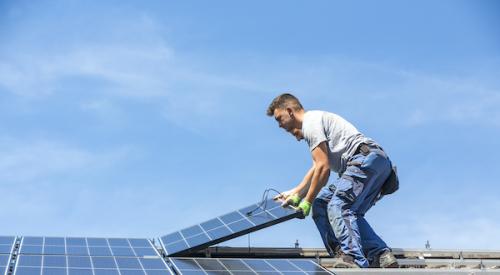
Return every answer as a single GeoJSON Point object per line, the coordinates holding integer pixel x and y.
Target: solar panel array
{"type": "Point", "coordinates": [6, 247]}
{"type": "Point", "coordinates": [231, 225]}
{"type": "Point", "coordinates": [134, 256]}
{"type": "Point", "coordinates": [88, 256]}
{"type": "Point", "coordinates": [194, 266]}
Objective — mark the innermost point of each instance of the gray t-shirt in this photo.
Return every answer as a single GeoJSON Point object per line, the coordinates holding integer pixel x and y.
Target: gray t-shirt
{"type": "Point", "coordinates": [341, 136]}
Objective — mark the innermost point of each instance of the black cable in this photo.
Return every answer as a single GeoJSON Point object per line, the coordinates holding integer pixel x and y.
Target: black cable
{"type": "Point", "coordinates": [263, 202]}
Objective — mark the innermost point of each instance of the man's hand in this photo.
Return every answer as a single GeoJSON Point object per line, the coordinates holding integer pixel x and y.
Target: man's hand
{"type": "Point", "coordinates": [305, 207]}
{"type": "Point", "coordinates": [284, 195]}
{"type": "Point", "coordinates": [292, 200]}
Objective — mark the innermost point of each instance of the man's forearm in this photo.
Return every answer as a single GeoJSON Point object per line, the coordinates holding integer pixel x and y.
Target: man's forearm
{"type": "Point", "coordinates": [319, 178]}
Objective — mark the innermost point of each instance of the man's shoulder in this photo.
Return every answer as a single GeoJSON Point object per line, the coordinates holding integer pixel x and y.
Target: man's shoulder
{"type": "Point", "coordinates": [318, 115]}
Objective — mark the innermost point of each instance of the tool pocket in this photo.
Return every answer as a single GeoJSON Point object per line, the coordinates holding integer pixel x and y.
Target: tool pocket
{"type": "Point", "coordinates": [391, 185]}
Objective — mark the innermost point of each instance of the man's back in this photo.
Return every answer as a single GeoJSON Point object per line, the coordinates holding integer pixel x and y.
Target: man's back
{"type": "Point", "coordinates": [341, 136]}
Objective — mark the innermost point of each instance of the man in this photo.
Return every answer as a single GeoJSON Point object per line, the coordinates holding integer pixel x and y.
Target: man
{"type": "Point", "coordinates": [339, 208]}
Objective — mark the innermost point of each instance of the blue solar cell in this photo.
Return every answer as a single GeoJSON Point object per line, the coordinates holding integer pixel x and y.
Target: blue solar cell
{"type": "Point", "coordinates": [131, 272]}
{"type": "Point", "coordinates": [118, 242]}
{"type": "Point", "coordinates": [191, 231]}
{"type": "Point", "coordinates": [197, 240]}
{"type": "Point", "coordinates": [8, 240]}
{"type": "Point", "coordinates": [139, 243]}
{"type": "Point", "coordinates": [210, 264]}
{"type": "Point", "coordinates": [232, 217]}
{"type": "Point", "coordinates": [122, 251]}
{"type": "Point", "coordinates": [185, 264]}
{"type": "Point", "coordinates": [152, 263]}
{"type": "Point", "coordinates": [234, 264]}
{"type": "Point", "coordinates": [4, 260]}
{"type": "Point", "coordinates": [103, 262]}
{"type": "Point", "coordinates": [307, 266]}
{"type": "Point", "coordinates": [54, 261]}
{"type": "Point", "coordinates": [278, 211]}
{"type": "Point", "coordinates": [97, 242]}
{"type": "Point", "coordinates": [195, 272]}
{"type": "Point", "coordinates": [32, 241]}
{"type": "Point", "coordinates": [171, 238]}
{"type": "Point", "coordinates": [178, 246]}
{"type": "Point", "coordinates": [32, 249]}
{"type": "Point", "coordinates": [53, 271]}
{"type": "Point", "coordinates": [77, 250]}
{"type": "Point", "coordinates": [29, 260]}
{"type": "Point", "coordinates": [106, 272]}
{"type": "Point", "coordinates": [129, 263]}
{"type": "Point", "coordinates": [5, 249]}
{"type": "Point", "coordinates": [282, 265]}
{"type": "Point", "coordinates": [54, 241]}
{"type": "Point", "coordinates": [240, 225]}
{"type": "Point", "coordinates": [79, 271]}
{"type": "Point", "coordinates": [76, 241]}
{"type": "Point", "coordinates": [158, 272]}
{"type": "Point", "coordinates": [211, 224]}
{"type": "Point", "coordinates": [258, 265]}
{"type": "Point", "coordinates": [28, 271]}
{"type": "Point", "coordinates": [54, 250]}
{"type": "Point", "coordinates": [219, 233]}
{"type": "Point", "coordinates": [99, 251]}
{"type": "Point", "coordinates": [78, 261]}
{"type": "Point", "coordinates": [144, 251]}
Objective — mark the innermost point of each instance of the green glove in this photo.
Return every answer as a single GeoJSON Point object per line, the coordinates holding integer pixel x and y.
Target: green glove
{"type": "Point", "coordinates": [294, 200]}
{"type": "Point", "coordinates": [305, 206]}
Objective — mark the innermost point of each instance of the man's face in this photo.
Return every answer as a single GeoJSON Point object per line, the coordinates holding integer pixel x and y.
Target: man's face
{"type": "Point", "coordinates": [286, 120]}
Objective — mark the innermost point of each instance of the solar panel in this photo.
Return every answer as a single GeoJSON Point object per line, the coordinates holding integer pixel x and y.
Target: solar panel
{"type": "Point", "coordinates": [90, 265]}
{"type": "Point", "coordinates": [87, 246]}
{"type": "Point", "coordinates": [89, 256]}
{"type": "Point", "coordinates": [6, 247]}
{"type": "Point", "coordinates": [192, 266]}
{"type": "Point", "coordinates": [229, 226]}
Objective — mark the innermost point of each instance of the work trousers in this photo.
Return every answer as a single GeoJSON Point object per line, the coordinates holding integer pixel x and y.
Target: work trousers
{"type": "Point", "coordinates": [339, 208]}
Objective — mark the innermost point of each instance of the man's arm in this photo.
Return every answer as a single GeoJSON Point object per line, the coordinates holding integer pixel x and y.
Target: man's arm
{"type": "Point", "coordinates": [321, 171]}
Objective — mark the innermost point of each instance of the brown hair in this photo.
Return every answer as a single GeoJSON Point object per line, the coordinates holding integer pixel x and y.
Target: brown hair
{"type": "Point", "coordinates": [284, 101]}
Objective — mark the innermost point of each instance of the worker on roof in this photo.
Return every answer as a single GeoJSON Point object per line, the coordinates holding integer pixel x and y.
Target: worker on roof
{"type": "Point", "coordinates": [338, 208]}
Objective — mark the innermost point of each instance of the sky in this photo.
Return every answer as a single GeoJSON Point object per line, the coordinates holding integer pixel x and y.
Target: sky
{"type": "Point", "coordinates": [140, 118]}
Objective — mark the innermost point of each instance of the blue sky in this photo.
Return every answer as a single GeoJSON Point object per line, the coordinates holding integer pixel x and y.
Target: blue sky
{"type": "Point", "coordinates": [137, 119]}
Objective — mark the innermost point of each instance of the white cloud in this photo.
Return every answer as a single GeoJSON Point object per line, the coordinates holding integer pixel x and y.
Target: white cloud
{"type": "Point", "coordinates": [35, 160]}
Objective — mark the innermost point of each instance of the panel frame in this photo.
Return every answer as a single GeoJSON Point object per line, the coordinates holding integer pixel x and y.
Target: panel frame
{"type": "Point", "coordinates": [187, 248]}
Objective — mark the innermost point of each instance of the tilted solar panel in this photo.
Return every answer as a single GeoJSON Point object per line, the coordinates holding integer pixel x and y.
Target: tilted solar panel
{"type": "Point", "coordinates": [87, 246]}
{"type": "Point", "coordinates": [229, 226]}
{"type": "Point", "coordinates": [192, 266]}
{"type": "Point", "coordinates": [6, 246]}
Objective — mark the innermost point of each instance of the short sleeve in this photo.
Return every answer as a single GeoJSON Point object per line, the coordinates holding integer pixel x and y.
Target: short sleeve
{"type": "Point", "coordinates": [313, 130]}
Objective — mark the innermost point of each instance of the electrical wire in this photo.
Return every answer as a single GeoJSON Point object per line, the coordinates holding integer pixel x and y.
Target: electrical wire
{"type": "Point", "coordinates": [263, 202]}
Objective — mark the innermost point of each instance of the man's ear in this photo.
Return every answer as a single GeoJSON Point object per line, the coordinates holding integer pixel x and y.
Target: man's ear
{"type": "Point", "coordinates": [290, 112]}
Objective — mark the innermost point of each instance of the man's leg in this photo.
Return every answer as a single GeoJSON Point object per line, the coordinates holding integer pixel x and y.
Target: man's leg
{"type": "Point", "coordinates": [377, 167]}
{"type": "Point", "coordinates": [320, 217]}
{"type": "Point", "coordinates": [354, 190]}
